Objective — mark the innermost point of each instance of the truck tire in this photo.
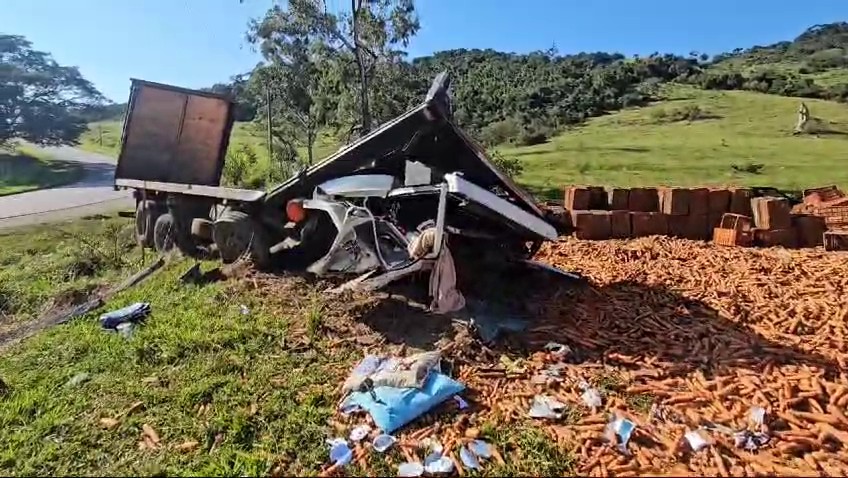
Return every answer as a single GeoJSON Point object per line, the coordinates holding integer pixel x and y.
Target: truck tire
{"type": "Point", "coordinates": [163, 233]}
{"type": "Point", "coordinates": [146, 213]}
{"type": "Point", "coordinates": [237, 235]}
{"type": "Point", "coordinates": [183, 213]}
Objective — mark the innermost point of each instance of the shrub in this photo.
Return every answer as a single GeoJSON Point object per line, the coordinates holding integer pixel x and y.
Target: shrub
{"type": "Point", "coordinates": [500, 132]}
{"type": "Point", "coordinates": [511, 166]}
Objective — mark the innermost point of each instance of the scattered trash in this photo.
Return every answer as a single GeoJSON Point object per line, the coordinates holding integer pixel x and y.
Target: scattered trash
{"type": "Point", "coordinates": [468, 459]}
{"type": "Point", "coordinates": [481, 449]}
{"type": "Point", "coordinates": [376, 371]}
{"type": "Point", "coordinates": [552, 373]}
{"type": "Point", "coordinates": [244, 310]}
{"type": "Point", "coordinates": [348, 409]}
{"type": "Point", "coordinates": [695, 440]}
{"type": "Point", "coordinates": [758, 416]}
{"type": "Point", "coordinates": [383, 442]}
{"type": "Point", "coordinates": [132, 313]}
{"type": "Point", "coordinates": [459, 401]}
{"type": "Point", "coordinates": [436, 463]}
{"type": "Point", "coordinates": [663, 414]}
{"type": "Point", "coordinates": [717, 427]}
{"type": "Point", "coordinates": [340, 452]}
{"type": "Point", "coordinates": [125, 329]}
{"type": "Point", "coordinates": [512, 366]}
{"type": "Point", "coordinates": [544, 406]}
{"type": "Point", "coordinates": [591, 398]}
{"type": "Point", "coordinates": [619, 431]}
{"type": "Point", "coordinates": [751, 441]}
{"type": "Point", "coordinates": [431, 445]}
{"type": "Point", "coordinates": [359, 432]}
{"type": "Point", "coordinates": [557, 349]}
{"type": "Point", "coordinates": [78, 379]}
{"type": "Point", "coordinates": [410, 469]}
{"type": "Point", "coordinates": [396, 391]}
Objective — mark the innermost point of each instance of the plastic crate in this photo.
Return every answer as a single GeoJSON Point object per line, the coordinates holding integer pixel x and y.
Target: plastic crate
{"type": "Point", "coordinates": [836, 241]}
{"type": "Point", "coordinates": [733, 230]}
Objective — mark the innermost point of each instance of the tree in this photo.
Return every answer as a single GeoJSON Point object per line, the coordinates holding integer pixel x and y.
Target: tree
{"type": "Point", "coordinates": [40, 100]}
{"type": "Point", "coordinates": [367, 36]}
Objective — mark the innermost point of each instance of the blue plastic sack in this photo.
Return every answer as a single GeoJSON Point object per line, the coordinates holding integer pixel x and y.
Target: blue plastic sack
{"type": "Point", "coordinates": [402, 405]}
{"type": "Point", "coordinates": [131, 313]}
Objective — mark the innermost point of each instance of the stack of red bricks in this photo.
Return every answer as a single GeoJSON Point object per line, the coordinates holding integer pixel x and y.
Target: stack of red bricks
{"type": "Point", "coordinates": [596, 213]}
{"type": "Point", "coordinates": [620, 213]}
{"type": "Point", "coordinates": [827, 207]}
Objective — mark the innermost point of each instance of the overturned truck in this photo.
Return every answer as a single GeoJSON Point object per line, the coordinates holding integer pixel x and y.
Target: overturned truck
{"type": "Point", "coordinates": [378, 209]}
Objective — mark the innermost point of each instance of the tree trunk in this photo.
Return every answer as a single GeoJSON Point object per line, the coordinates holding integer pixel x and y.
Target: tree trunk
{"type": "Point", "coordinates": [363, 75]}
{"type": "Point", "coordinates": [310, 142]}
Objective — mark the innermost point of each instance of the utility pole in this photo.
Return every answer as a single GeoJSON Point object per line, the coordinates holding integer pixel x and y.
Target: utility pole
{"type": "Point", "coordinates": [270, 143]}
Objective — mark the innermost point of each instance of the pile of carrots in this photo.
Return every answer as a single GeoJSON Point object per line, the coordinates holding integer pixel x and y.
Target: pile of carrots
{"type": "Point", "coordinates": [676, 336]}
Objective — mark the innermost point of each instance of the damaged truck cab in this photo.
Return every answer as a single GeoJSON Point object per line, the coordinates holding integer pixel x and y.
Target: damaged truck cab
{"type": "Point", "coordinates": [378, 208]}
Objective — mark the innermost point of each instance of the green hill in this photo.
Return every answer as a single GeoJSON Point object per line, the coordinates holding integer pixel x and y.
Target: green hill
{"type": "Point", "coordinates": [648, 146]}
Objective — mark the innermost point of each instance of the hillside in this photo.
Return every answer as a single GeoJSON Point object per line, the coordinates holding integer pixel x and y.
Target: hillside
{"type": "Point", "coordinates": [645, 146]}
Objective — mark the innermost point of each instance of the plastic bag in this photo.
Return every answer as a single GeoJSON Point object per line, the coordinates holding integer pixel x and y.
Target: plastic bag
{"type": "Point", "coordinates": [408, 372]}
{"type": "Point", "coordinates": [395, 407]}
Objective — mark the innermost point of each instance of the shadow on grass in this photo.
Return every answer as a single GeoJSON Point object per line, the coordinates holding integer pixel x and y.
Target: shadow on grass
{"type": "Point", "coordinates": [20, 173]}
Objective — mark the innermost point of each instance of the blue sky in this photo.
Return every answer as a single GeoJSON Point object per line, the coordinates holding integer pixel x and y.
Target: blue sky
{"type": "Point", "coordinates": [195, 43]}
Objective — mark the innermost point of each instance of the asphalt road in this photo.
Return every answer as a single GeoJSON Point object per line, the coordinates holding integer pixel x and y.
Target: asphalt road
{"type": "Point", "coordinates": [93, 194]}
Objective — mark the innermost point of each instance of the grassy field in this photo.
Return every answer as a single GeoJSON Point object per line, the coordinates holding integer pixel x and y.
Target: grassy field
{"type": "Point", "coordinates": [647, 147]}
{"type": "Point", "coordinates": [25, 169]}
{"type": "Point", "coordinates": [228, 394]}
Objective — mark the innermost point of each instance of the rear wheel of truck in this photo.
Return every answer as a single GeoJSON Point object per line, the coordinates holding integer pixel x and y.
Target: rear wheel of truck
{"type": "Point", "coordinates": [163, 233]}
{"type": "Point", "coordinates": [146, 214]}
{"type": "Point", "coordinates": [237, 235]}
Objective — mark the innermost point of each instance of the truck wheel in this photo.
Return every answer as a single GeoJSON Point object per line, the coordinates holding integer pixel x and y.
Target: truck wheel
{"type": "Point", "coordinates": [163, 233]}
{"type": "Point", "coordinates": [236, 234]}
{"type": "Point", "coordinates": [146, 213]}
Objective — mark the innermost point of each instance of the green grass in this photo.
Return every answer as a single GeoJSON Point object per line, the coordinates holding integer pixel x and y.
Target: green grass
{"type": "Point", "coordinates": [637, 147]}
{"type": "Point", "coordinates": [104, 137]}
{"type": "Point", "coordinates": [26, 169]}
{"type": "Point", "coordinates": [245, 388]}
{"type": "Point", "coordinates": [61, 262]}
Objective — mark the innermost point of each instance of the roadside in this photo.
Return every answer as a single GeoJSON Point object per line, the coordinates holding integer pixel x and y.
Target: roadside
{"type": "Point", "coordinates": [25, 169]}
{"type": "Point", "coordinates": [91, 191]}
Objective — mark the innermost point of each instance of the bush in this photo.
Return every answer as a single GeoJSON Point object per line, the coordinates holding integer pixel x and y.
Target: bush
{"type": "Point", "coordinates": [511, 166]}
{"type": "Point", "coordinates": [501, 132]}
{"type": "Point", "coordinates": [241, 162]}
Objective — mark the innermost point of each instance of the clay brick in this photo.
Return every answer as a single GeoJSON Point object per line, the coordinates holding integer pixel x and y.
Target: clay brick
{"type": "Point", "coordinates": [619, 199]}
{"type": "Point", "coordinates": [675, 201]}
{"type": "Point", "coordinates": [699, 201]}
{"type": "Point", "coordinates": [643, 200]}
{"type": "Point", "coordinates": [648, 223]}
{"type": "Point", "coordinates": [771, 213]}
{"type": "Point", "coordinates": [740, 201]}
{"type": "Point", "coordinates": [591, 225]}
{"type": "Point", "coordinates": [620, 224]}
{"type": "Point", "coordinates": [809, 229]}
{"type": "Point", "coordinates": [719, 201]}
{"type": "Point", "coordinates": [577, 198]}
{"type": "Point", "coordinates": [775, 237]}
